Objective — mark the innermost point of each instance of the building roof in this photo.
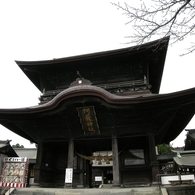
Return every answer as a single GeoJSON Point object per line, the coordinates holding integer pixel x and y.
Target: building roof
{"type": "Point", "coordinates": [129, 117]}
{"type": "Point", "coordinates": [185, 161]}
{"type": "Point", "coordinates": [166, 115]}
{"type": "Point", "coordinates": [6, 149]}
{"type": "Point", "coordinates": [191, 134]}
{"type": "Point", "coordinates": [30, 153]}
{"type": "Point", "coordinates": [132, 63]}
{"type": "Point", "coordinates": [165, 157]}
{"type": "Point", "coordinates": [190, 139]}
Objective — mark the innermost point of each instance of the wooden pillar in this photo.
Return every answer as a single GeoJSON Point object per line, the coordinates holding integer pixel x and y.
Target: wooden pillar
{"type": "Point", "coordinates": [70, 154]}
{"type": "Point", "coordinates": [115, 159]}
{"type": "Point", "coordinates": [81, 167]}
{"type": "Point", "coordinates": [70, 162]}
{"type": "Point", "coordinates": [153, 159]}
{"type": "Point", "coordinates": [37, 167]}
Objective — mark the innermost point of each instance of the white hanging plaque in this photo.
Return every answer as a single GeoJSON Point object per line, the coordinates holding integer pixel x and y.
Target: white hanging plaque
{"type": "Point", "coordinates": [69, 175]}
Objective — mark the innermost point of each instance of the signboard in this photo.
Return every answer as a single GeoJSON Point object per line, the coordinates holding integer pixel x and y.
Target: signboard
{"type": "Point", "coordinates": [69, 175]}
{"type": "Point", "coordinates": [15, 159]}
{"type": "Point", "coordinates": [14, 172]}
{"type": "Point", "coordinates": [88, 120]}
{"type": "Point", "coordinates": [98, 178]}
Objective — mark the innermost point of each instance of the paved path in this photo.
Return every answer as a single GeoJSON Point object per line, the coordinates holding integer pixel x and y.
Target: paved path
{"type": "Point", "coordinates": [91, 191]}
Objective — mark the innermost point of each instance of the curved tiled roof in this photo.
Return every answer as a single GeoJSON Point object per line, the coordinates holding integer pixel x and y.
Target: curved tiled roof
{"type": "Point", "coordinates": [101, 67]}
{"type": "Point", "coordinates": [88, 90]}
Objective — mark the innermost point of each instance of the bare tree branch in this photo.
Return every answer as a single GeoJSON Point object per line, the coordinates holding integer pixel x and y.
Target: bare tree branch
{"type": "Point", "coordinates": [174, 18]}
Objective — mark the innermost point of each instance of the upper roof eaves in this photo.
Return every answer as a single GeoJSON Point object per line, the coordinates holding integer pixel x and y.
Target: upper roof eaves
{"type": "Point", "coordinates": [150, 45]}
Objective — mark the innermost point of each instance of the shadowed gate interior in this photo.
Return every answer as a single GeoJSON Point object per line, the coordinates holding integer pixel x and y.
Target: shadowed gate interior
{"type": "Point", "coordinates": [93, 161]}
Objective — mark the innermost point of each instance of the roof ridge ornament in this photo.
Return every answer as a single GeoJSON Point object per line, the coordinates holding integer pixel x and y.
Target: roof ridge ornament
{"type": "Point", "coordinates": [80, 81]}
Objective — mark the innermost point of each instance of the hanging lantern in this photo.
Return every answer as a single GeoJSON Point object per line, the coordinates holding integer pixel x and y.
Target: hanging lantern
{"type": "Point", "coordinates": [99, 159]}
{"type": "Point", "coordinates": [107, 162]}
{"type": "Point", "coordinates": [99, 162]}
{"type": "Point", "coordinates": [91, 162]}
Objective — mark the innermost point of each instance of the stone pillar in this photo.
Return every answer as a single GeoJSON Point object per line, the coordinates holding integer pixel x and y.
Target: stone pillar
{"type": "Point", "coordinates": [115, 159]}
{"type": "Point", "coordinates": [153, 159]}
{"type": "Point", "coordinates": [37, 167]}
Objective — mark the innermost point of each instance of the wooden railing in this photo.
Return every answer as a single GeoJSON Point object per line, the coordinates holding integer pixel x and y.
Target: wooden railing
{"type": "Point", "coordinates": [118, 87]}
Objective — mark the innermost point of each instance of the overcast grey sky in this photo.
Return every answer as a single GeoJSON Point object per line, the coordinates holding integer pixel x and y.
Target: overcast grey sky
{"type": "Point", "coordinates": [45, 29]}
